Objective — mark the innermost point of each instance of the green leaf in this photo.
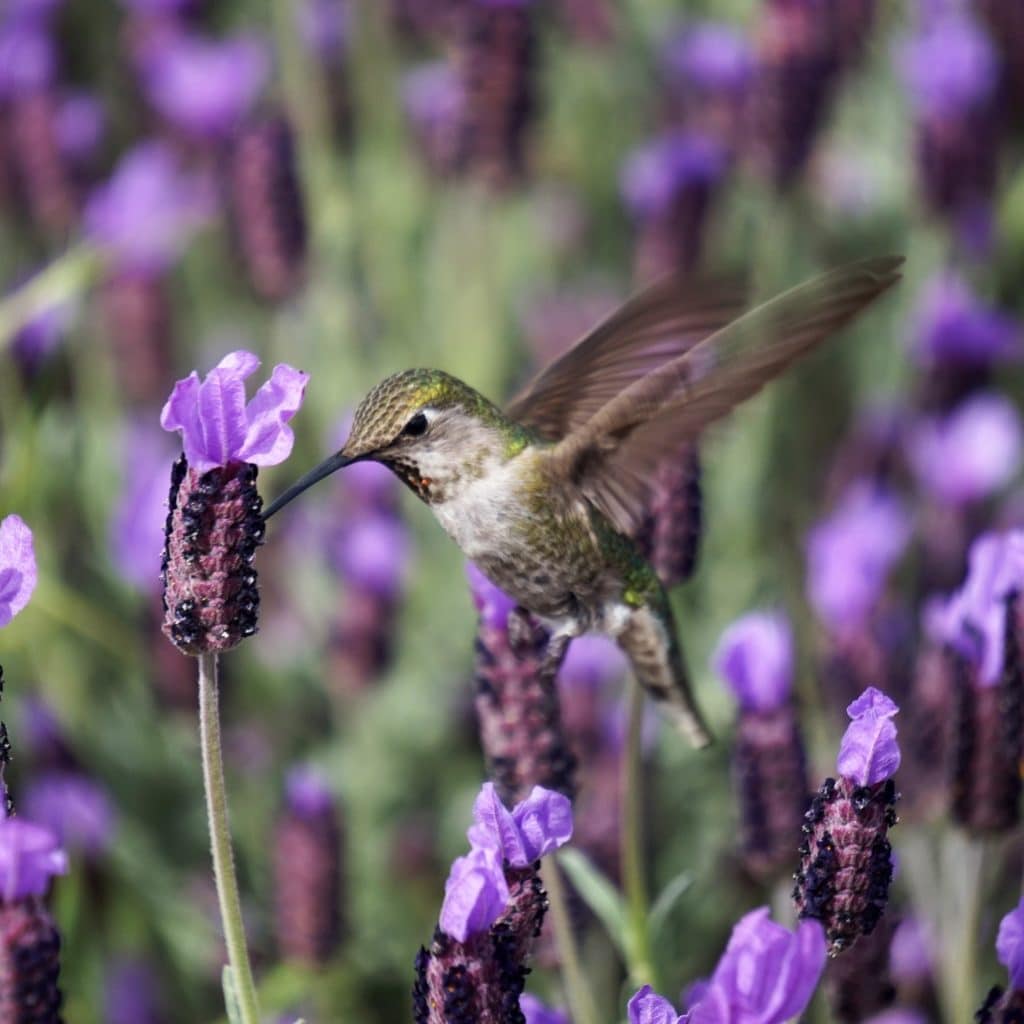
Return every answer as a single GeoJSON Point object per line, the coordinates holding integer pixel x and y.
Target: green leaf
{"type": "Point", "coordinates": [666, 901]}
{"type": "Point", "coordinates": [599, 893]}
{"type": "Point", "coordinates": [227, 980]}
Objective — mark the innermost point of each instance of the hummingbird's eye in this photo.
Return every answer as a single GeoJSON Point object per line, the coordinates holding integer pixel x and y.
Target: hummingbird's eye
{"type": "Point", "coordinates": [416, 427]}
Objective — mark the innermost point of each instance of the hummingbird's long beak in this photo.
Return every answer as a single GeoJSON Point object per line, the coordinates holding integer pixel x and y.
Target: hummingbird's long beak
{"type": "Point", "coordinates": [326, 468]}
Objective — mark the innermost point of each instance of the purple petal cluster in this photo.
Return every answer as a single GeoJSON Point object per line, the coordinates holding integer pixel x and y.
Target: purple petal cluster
{"type": "Point", "coordinates": [592, 662]}
{"type": "Point", "coordinates": [307, 792]}
{"type": "Point", "coordinates": [710, 57]}
{"type": "Point", "coordinates": [656, 172]}
{"type": "Point", "coordinates": [324, 27]}
{"type": "Point", "coordinates": [755, 658]}
{"type": "Point", "coordinates": [202, 86]}
{"type": "Point", "coordinates": [17, 567]}
{"type": "Point", "coordinates": [477, 890]}
{"type": "Point", "coordinates": [536, 1012]}
{"type": "Point", "coordinates": [373, 553]}
{"type": "Point", "coordinates": [29, 857]}
{"type": "Point", "coordinates": [969, 454]}
{"type": "Point", "coordinates": [952, 327]}
{"type": "Point", "coordinates": [144, 215]}
{"type": "Point", "coordinates": [868, 752]}
{"type": "Point", "coordinates": [28, 58]}
{"type": "Point", "coordinates": [647, 1007]}
{"type": "Point", "coordinates": [849, 555]}
{"type": "Point", "coordinates": [493, 604]}
{"type": "Point", "coordinates": [74, 807]}
{"type": "Point", "coordinates": [81, 123]}
{"type": "Point", "coordinates": [1010, 945]}
{"type": "Point", "coordinates": [218, 427]}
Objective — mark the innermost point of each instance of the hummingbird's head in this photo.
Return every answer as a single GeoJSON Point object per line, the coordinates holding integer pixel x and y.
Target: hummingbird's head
{"type": "Point", "coordinates": [427, 426]}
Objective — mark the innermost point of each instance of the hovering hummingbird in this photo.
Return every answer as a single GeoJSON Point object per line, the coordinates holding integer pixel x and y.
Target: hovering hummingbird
{"type": "Point", "coordinates": [545, 495]}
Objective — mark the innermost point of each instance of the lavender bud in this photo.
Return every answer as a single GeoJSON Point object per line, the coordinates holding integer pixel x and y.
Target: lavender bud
{"type": "Point", "coordinates": [266, 209]}
{"type": "Point", "coordinates": [307, 869]}
{"type": "Point", "coordinates": [846, 859]}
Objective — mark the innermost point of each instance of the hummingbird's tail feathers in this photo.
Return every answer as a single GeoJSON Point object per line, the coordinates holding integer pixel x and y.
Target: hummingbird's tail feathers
{"type": "Point", "coordinates": [648, 640]}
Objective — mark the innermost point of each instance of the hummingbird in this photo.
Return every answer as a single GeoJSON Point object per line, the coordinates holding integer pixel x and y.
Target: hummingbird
{"type": "Point", "coordinates": [545, 494]}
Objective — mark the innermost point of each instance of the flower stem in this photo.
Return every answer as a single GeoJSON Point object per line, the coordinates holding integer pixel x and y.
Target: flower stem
{"type": "Point", "coordinates": [964, 862]}
{"type": "Point", "coordinates": [577, 988]}
{"type": "Point", "coordinates": [220, 840]}
{"type": "Point", "coordinates": [631, 847]}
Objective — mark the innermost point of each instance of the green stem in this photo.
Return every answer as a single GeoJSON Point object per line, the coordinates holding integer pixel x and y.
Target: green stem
{"type": "Point", "coordinates": [577, 989]}
{"type": "Point", "coordinates": [220, 840]}
{"type": "Point", "coordinates": [964, 860]}
{"type": "Point", "coordinates": [631, 847]}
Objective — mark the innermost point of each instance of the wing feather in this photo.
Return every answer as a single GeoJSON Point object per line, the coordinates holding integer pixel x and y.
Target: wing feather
{"type": "Point", "coordinates": [613, 455]}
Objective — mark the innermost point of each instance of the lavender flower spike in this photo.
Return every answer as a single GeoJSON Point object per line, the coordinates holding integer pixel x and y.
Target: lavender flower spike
{"type": "Point", "coordinates": [869, 753]}
{"type": "Point", "coordinates": [647, 1007]}
{"type": "Point", "coordinates": [216, 425]}
{"type": "Point", "coordinates": [474, 895]}
{"type": "Point", "coordinates": [755, 658]}
{"type": "Point", "coordinates": [29, 858]}
{"type": "Point", "coordinates": [17, 567]}
{"type": "Point", "coordinates": [536, 826]}
{"type": "Point", "coordinates": [1010, 945]}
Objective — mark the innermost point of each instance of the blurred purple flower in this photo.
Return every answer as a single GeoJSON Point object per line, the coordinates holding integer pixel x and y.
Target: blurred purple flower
{"type": "Point", "coordinates": [307, 792]}
{"type": "Point", "coordinates": [74, 807]}
{"type": "Point", "coordinates": [950, 67]}
{"type": "Point", "coordinates": [1010, 945]}
{"type": "Point", "coordinates": [910, 952]}
{"type": "Point", "coordinates": [536, 1012]}
{"type": "Point", "coordinates": [324, 27]}
{"type": "Point", "coordinates": [767, 974]}
{"type": "Point", "coordinates": [205, 87]}
{"type": "Point", "coordinates": [647, 1007]}
{"type": "Point", "coordinates": [218, 427]}
{"type": "Point", "coordinates": [39, 337]}
{"type": "Point", "coordinates": [432, 95]}
{"type": "Point", "coordinates": [144, 215]}
{"type": "Point", "coordinates": [29, 857]}
{"type": "Point", "coordinates": [81, 122]}
{"type": "Point", "coordinates": [474, 895]}
{"type": "Point", "coordinates": [32, 11]}
{"type": "Point", "coordinates": [969, 454]}
{"type": "Point", "coordinates": [131, 994]}
{"type": "Point", "coordinates": [952, 326]}
{"type": "Point", "coordinates": [850, 553]}
{"type": "Point", "coordinates": [898, 1015]}
{"type": "Point", "coordinates": [373, 553]}
{"type": "Point", "coordinates": [592, 662]}
{"type": "Point", "coordinates": [137, 525]}
{"type": "Point", "coordinates": [755, 658]}
{"type": "Point", "coordinates": [534, 827]}
{"type": "Point", "coordinates": [493, 604]}
{"type": "Point", "coordinates": [18, 573]}
{"type": "Point", "coordinates": [28, 58]}
{"type": "Point", "coordinates": [868, 752]}
{"type": "Point", "coordinates": [655, 173]}
{"type": "Point", "coordinates": [710, 56]}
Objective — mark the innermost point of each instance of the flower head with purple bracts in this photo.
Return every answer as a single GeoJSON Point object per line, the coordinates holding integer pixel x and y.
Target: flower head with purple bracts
{"type": "Point", "coordinates": [849, 555]}
{"type": "Point", "coordinates": [655, 173]}
{"type": "Point", "coordinates": [755, 658]}
{"type": "Point", "coordinates": [952, 327]}
{"type": "Point", "coordinates": [1010, 945]}
{"type": "Point", "coordinates": [143, 216]}
{"type": "Point", "coordinates": [869, 753]}
{"type": "Point", "coordinates": [647, 1007]}
{"type": "Point", "coordinates": [711, 57]}
{"type": "Point", "coordinates": [969, 454]}
{"type": "Point", "coordinates": [536, 1012]}
{"type": "Point", "coordinates": [77, 810]}
{"type": "Point", "coordinates": [29, 857]}
{"type": "Point", "coordinates": [17, 567]}
{"type": "Point", "coordinates": [475, 893]}
{"type": "Point", "coordinates": [202, 86]}
{"type": "Point", "coordinates": [217, 426]}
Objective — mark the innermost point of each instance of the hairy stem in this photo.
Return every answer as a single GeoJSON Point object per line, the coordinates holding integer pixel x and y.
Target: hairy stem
{"type": "Point", "coordinates": [220, 840]}
{"type": "Point", "coordinates": [577, 988]}
{"type": "Point", "coordinates": [631, 846]}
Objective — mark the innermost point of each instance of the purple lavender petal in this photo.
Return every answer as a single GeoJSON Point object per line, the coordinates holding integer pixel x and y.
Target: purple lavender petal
{"type": "Point", "coordinates": [536, 1012]}
{"type": "Point", "coordinates": [592, 662]}
{"type": "Point", "coordinates": [911, 959]}
{"type": "Point", "coordinates": [29, 858]}
{"type": "Point", "coordinates": [131, 993]}
{"type": "Point", "coordinates": [28, 58]}
{"type": "Point", "coordinates": [80, 125]}
{"type": "Point", "coordinates": [373, 554]}
{"type": "Point", "coordinates": [647, 1007]}
{"type": "Point", "coordinates": [474, 895]}
{"type": "Point", "coordinates": [544, 821]}
{"type": "Point", "coordinates": [222, 426]}
{"type": "Point", "coordinates": [324, 27]}
{"type": "Point", "coordinates": [494, 828]}
{"type": "Point", "coordinates": [969, 455]}
{"type": "Point", "coordinates": [869, 753]}
{"type": "Point", "coordinates": [18, 574]}
{"type": "Point", "coordinates": [712, 57]}
{"type": "Point", "coordinates": [307, 792]}
{"type": "Point", "coordinates": [755, 658]}
{"type": "Point", "coordinates": [181, 412]}
{"type": "Point", "coordinates": [75, 808]}
{"type": "Point", "coordinates": [654, 173]}
{"type": "Point", "coordinates": [268, 439]}
{"type": "Point", "coordinates": [1010, 945]}
{"type": "Point", "coordinates": [205, 87]}
{"type": "Point", "coordinates": [492, 602]}
{"type": "Point", "coordinates": [432, 95]}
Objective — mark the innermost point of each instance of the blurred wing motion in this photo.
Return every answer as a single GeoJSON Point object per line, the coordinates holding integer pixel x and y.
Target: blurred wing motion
{"type": "Point", "coordinates": [613, 454]}
{"type": "Point", "coordinates": [651, 329]}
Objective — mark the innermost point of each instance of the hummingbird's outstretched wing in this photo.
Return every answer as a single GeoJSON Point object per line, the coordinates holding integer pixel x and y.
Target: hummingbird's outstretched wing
{"type": "Point", "coordinates": [651, 329]}
{"type": "Point", "coordinates": [612, 457]}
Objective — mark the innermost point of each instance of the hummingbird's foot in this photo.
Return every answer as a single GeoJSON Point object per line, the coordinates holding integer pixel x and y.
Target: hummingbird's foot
{"type": "Point", "coordinates": [524, 633]}
{"type": "Point", "coordinates": [554, 655]}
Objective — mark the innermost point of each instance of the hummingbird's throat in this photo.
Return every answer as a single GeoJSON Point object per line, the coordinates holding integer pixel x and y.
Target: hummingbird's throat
{"type": "Point", "coordinates": [409, 473]}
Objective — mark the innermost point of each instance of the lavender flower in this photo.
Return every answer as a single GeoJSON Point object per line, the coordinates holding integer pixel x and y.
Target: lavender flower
{"type": "Point", "coordinates": [325, 27]}
{"type": "Point", "coordinates": [17, 567]}
{"type": "Point", "coordinates": [202, 86]}
{"type": "Point", "coordinates": [40, 337]}
{"type": "Point", "coordinates": [29, 857]}
{"type": "Point", "coordinates": [970, 454]}
{"type": "Point", "coordinates": [131, 993]}
{"type": "Point", "coordinates": [74, 807]}
{"type": "Point", "coordinates": [214, 525]}
{"type": "Point", "coordinates": [647, 1007]}
{"type": "Point", "coordinates": [1004, 1007]}
{"type": "Point", "coordinates": [28, 58]}
{"type": "Point", "coordinates": [755, 657]}
{"type": "Point", "coordinates": [144, 215]}
{"type": "Point", "coordinates": [80, 126]}
{"type": "Point", "coordinates": [846, 864]}
{"type": "Point", "coordinates": [850, 553]}
{"type": "Point", "coordinates": [434, 104]}
{"type": "Point", "coordinates": [710, 57]}
{"type": "Point", "coordinates": [911, 957]}
{"type": "Point", "coordinates": [535, 1012]}
{"type": "Point", "coordinates": [475, 893]}
{"type": "Point", "coordinates": [534, 827]}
